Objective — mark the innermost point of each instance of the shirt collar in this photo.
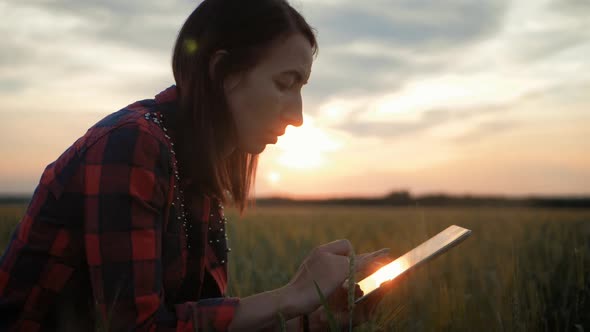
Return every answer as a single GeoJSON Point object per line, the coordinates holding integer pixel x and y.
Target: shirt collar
{"type": "Point", "coordinates": [166, 102]}
{"type": "Point", "coordinates": [168, 95]}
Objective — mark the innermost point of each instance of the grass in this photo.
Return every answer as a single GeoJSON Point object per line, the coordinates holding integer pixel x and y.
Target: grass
{"type": "Point", "coordinates": [351, 287]}
{"type": "Point", "coordinates": [521, 270]}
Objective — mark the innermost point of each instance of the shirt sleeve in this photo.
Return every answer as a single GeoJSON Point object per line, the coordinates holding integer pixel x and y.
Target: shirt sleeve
{"type": "Point", "coordinates": [126, 187]}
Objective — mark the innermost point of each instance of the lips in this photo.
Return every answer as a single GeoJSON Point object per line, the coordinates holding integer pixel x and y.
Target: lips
{"type": "Point", "coordinates": [278, 133]}
{"type": "Point", "coordinates": [273, 136]}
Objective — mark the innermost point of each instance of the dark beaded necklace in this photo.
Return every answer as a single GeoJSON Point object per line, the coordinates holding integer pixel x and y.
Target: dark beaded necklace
{"type": "Point", "coordinates": [217, 233]}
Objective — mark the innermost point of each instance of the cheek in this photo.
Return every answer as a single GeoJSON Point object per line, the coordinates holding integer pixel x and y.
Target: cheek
{"type": "Point", "coordinates": [266, 99]}
{"type": "Point", "coordinates": [256, 108]}
{"type": "Point", "coordinates": [258, 105]}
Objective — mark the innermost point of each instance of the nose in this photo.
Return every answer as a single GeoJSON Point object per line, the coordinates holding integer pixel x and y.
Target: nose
{"type": "Point", "coordinates": [293, 112]}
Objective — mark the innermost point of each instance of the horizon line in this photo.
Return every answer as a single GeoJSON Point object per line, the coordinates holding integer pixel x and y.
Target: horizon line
{"type": "Point", "coordinates": [376, 196]}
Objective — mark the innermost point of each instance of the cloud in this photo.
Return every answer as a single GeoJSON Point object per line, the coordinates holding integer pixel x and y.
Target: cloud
{"type": "Point", "coordinates": [542, 31]}
{"type": "Point", "coordinates": [485, 130]}
{"type": "Point", "coordinates": [413, 84]}
{"type": "Point", "coordinates": [151, 27]}
{"type": "Point", "coordinates": [472, 86]}
{"type": "Point", "coordinates": [379, 45]}
{"type": "Point", "coordinates": [460, 125]}
{"type": "Point", "coordinates": [422, 122]}
{"type": "Point", "coordinates": [545, 44]}
{"type": "Point", "coordinates": [147, 24]}
{"type": "Point", "coordinates": [407, 23]}
{"type": "Point", "coordinates": [63, 54]}
{"type": "Point", "coordinates": [580, 8]}
{"type": "Point", "coordinates": [335, 74]}
{"type": "Point", "coordinates": [11, 85]}
{"type": "Point", "coordinates": [14, 54]}
{"type": "Point", "coordinates": [391, 129]}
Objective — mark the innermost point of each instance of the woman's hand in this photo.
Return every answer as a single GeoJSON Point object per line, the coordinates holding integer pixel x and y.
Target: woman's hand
{"type": "Point", "coordinates": [328, 266]}
{"type": "Point", "coordinates": [338, 300]}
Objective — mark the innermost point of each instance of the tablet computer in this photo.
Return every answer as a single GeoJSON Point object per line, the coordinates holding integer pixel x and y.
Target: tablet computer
{"type": "Point", "coordinates": [433, 247]}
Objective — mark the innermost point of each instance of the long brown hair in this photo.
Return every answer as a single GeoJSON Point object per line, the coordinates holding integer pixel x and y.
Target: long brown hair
{"type": "Point", "coordinates": [245, 29]}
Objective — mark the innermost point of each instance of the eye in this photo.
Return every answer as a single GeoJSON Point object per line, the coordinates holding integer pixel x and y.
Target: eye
{"type": "Point", "coordinates": [281, 85]}
{"type": "Point", "coordinates": [285, 83]}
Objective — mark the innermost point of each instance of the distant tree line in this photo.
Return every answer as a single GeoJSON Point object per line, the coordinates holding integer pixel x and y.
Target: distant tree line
{"type": "Point", "coordinates": [404, 198]}
{"type": "Point", "coordinates": [11, 199]}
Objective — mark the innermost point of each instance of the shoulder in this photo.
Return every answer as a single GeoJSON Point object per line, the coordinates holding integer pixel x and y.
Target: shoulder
{"type": "Point", "coordinates": [129, 125]}
{"type": "Point", "coordinates": [128, 140]}
{"type": "Point", "coordinates": [125, 138]}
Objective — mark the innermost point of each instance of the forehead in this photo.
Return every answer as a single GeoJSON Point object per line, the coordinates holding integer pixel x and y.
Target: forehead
{"type": "Point", "coordinates": [293, 52]}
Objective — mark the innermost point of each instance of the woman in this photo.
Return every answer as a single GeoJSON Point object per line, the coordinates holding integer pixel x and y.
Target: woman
{"type": "Point", "coordinates": [126, 229]}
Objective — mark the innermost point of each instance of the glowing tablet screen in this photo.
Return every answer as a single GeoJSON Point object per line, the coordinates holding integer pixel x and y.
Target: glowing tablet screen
{"type": "Point", "coordinates": [432, 247]}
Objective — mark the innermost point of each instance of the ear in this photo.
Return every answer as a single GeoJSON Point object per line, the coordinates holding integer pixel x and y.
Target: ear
{"type": "Point", "coordinates": [232, 80]}
{"type": "Point", "coordinates": [214, 61]}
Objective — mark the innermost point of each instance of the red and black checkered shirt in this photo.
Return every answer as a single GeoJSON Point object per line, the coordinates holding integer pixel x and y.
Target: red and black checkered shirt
{"type": "Point", "coordinates": [102, 246]}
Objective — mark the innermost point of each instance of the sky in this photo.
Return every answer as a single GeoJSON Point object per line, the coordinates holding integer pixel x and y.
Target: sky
{"type": "Point", "coordinates": [431, 96]}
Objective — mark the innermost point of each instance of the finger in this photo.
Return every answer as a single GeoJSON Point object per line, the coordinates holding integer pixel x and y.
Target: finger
{"type": "Point", "coordinates": [375, 264]}
{"type": "Point", "coordinates": [370, 266]}
{"type": "Point", "coordinates": [368, 257]}
{"type": "Point", "coordinates": [339, 247]}
{"type": "Point", "coordinates": [376, 253]}
{"type": "Point", "coordinates": [382, 251]}
{"type": "Point", "coordinates": [372, 262]}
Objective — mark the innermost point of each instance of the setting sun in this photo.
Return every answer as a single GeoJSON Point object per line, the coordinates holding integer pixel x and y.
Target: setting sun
{"type": "Point", "coordinates": [304, 147]}
{"type": "Point", "coordinates": [273, 177]}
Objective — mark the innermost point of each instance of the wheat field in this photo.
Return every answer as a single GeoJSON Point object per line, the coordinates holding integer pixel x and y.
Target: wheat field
{"type": "Point", "coordinates": [522, 269]}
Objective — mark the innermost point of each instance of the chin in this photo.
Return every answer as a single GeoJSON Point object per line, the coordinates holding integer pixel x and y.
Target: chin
{"type": "Point", "coordinates": [253, 148]}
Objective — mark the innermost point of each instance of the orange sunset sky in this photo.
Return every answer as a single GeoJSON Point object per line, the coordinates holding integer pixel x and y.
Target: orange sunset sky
{"type": "Point", "coordinates": [479, 97]}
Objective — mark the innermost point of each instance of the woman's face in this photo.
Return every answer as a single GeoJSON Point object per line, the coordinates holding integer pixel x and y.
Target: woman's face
{"type": "Point", "coordinates": [267, 98]}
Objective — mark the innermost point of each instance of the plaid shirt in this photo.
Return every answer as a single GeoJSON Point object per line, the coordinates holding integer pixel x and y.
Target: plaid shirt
{"type": "Point", "coordinates": [102, 246]}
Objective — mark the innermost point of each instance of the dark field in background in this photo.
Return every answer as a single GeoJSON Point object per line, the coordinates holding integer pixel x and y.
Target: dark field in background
{"type": "Point", "coordinates": [523, 269]}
